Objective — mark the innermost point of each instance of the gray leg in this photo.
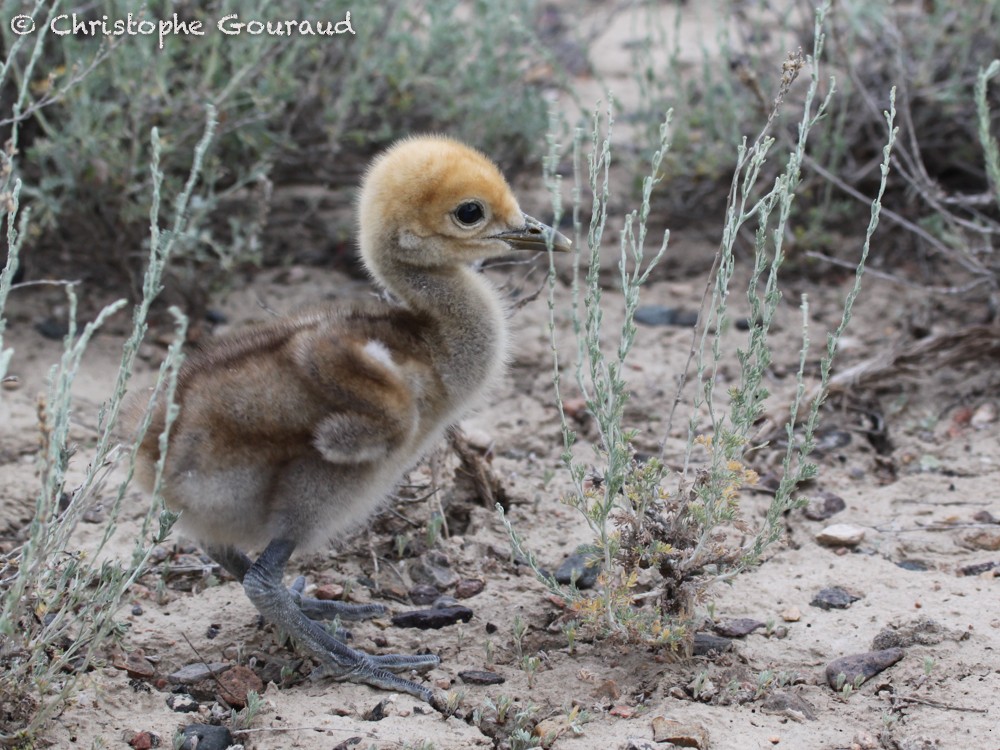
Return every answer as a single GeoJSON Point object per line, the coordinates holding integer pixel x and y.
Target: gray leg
{"type": "Point", "coordinates": [263, 585]}
{"type": "Point", "coordinates": [237, 564]}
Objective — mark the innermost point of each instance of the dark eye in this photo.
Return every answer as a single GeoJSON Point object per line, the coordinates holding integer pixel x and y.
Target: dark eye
{"type": "Point", "coordinates": [469, 213]}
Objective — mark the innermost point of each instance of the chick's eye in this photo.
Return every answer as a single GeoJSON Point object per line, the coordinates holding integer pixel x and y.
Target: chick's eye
{"type": "Point", "coordinates": [469, 213]}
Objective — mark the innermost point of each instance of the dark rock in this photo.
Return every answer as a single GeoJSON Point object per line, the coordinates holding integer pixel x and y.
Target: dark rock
{"type": "Point", "coordinates": [182, 703]}
{"type": "Point", "coordinates": [978, 569]}
{"type": "Point", "coordinates": [206, 737]}
{"type": "Point", "coordinates": [235, 683]}
{"type": "Point", "coordinates": [834, 598]}
{"type": "Point", "coordinates": [823, 506]}
{"type": "Point", "coordinates": [213, 630]}
{"type": "Point", "coordinates": [659, 315]}
{"type": "Point", "coordinates": [423, 594]}
{"type": "Point", "coordinates": [136, 609]}
{"type": "Point", "coordinates": [859, 668]}
{"type": "Point", "coordinates": [427, 619]}
{"type": "Point", "coordinates": [917, 566]}
{"type": "Point", "coordinates": [581, 568]}
{"type": "Point", "coordinates": [480, 677]}
{"type": "Point", "coordinates": [348, 744]}
{"type": "Point", "coordinates": [469, 587]}
{"type": "Point", "coordinates": [738, 628]}
{"type": "Point", "coordinates": [705, 643]}
{"type": "Point", "coordinates": [984, 516]}
{"type": "Point", "coordinates": [53, 329]}
{"type": "Point", "coordinates": [444, 602]}
{"type": "Point", "coordinates": [377, 712]}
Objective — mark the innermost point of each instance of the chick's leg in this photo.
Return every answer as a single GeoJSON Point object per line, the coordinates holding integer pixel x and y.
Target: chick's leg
{"type": "Point", "coordinates": [263, 585]}
{"type": "Point", "coordinates": [237, 564]}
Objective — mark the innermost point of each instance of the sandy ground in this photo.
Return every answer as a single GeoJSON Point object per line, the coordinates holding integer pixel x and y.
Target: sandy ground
{"type": "Point", "coordinates": [927, 500]}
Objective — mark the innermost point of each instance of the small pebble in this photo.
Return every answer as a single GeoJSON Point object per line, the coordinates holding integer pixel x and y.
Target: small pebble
{"type": "Point", "coordinates": [792, 614]}
{"type": "Point", "coordinates": [432, 619]}
{"type": "Point", "coordinates": [11, 383]}
{"type": "Point", "coordinates": [144, 741]}
{"type": "Point", "coordinates": [834, 598]}
{"type": "Point", "coordinates": [445, 602]}
{"type": "Point", "coordinates": [481, 677]}
{"type": "Point", "coordinates": [789, 704]}
{"type": "Point", "coordinates": [984, 416]}
{"type": "Point", "coordinates": [981, 539]}
{"type": "Point", "coordinates": [234, 684]}
{"type": "Point", "coordinates": [136, 609]}
{"type": "Point", "coordinates": [659, 315]}
{"type": "Point", "coordinates": [52, 328]}
{"type": "Point", "coordinates": [423, 594]}
{"type": "Point", "coordinates": [579, 568]}
{"type": "Point", "coordinates": [137, 666]}
{"type": "Point", "coordinates": [469, 587]}
{"type": "Point", "coordinates": [860, 667]}
{"type": "Point", "coordinates": [738, 628]}
{"type": "Point", "coordinates": [705, 643]}
{"type": "Point", "coordinates": [329, 592]}
{"type": "Point", "coordinates": [841, 535]}
{"type": "Point", "coordinates": [213, 631]}
{"type": "Point", "coordinates": [181, 703]}
{"type": "Point", "coordinates": [433, 568]}
{"type": "Point", "coordinates": [637, 743]}
{"type": "Point", "coordinates": [917, 566]}
{"type": "Point", "coordinates": [823, 506]}
{"type": "Point", "coordinates": [197, 672]}
{"type": "Point", "coordinates": [206, 737]}
{"type": "Point", "coordinates": [977, 569]}
{"type": "Point", "coordinates": [681, 733]}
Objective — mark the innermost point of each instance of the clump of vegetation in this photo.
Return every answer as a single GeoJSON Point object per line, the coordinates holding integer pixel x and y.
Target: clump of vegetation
{"type": "Point", "coordinates": [649, 525]}
{"type": "Point", "coordinates": [292, 109]}
{"type": "Point", "coordinates": [941, 192]}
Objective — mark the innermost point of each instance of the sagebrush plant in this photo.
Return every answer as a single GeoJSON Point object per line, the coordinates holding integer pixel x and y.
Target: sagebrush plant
{"type": "Point", "coordinates": [939, 194]}
{"type": "Point", "coordinates": [292, 109]}
{"type": "Point", "coordinates": [59, 603]}
{"type": "Point", "coordinates": [651, 526]}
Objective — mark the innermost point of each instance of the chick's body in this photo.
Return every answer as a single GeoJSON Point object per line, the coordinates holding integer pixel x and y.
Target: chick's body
{"type": "Point", "coordinates": [290, 433]}
{"type": "Point", "coordinates": [260, 449]}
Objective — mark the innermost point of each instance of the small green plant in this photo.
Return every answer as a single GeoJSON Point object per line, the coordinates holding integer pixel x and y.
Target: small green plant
{"type": "Point", "coordinates": [648, 523]}
{"type": "Point", "coordinates": [453, 701]}
{"type": "Point", "coordinates": [434, 526]}
{"type": "Point", "coordinates": [59, 605]}
{"type": "Point", "coordinates": [530, 665]}
{"type": "Point", "coordinates": [244, 718]}
{"type": "Point", "coordinates": [490, 648]}
{"type": "Point", "coordinates": [929, 665]}
{"type": "Point", "coordinates": [570, 629]}
{"type": "Point", "coordinates": [518, 630]}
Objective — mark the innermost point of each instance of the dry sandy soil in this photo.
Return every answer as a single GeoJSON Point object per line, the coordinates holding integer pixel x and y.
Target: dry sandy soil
{"type": "Point", "coordinates": [923, 488]}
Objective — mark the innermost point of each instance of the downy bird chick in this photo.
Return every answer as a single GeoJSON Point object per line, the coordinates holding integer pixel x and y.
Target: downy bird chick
{"type": "Point", "coordinates": [292, 433]}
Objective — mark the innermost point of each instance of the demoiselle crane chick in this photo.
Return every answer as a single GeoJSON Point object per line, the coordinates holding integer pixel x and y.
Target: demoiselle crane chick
{"type": "Point", "coordinates": [292, 433]}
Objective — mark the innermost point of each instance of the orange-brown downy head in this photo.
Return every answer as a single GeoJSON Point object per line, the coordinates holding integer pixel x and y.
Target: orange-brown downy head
{"type": "Point", "coordinates": [431, 201]}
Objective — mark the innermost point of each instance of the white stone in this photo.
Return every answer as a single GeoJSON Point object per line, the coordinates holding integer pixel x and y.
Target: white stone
{"type": "Point", "coordinates": [841, 535]}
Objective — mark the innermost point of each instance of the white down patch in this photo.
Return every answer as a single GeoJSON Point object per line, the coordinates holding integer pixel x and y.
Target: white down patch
{"type": "Point", "coordinates": [380, 353]}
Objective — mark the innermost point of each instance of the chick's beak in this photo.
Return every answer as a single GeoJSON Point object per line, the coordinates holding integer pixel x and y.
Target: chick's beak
{"type": "Point", "coordinates": [535, 235]}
